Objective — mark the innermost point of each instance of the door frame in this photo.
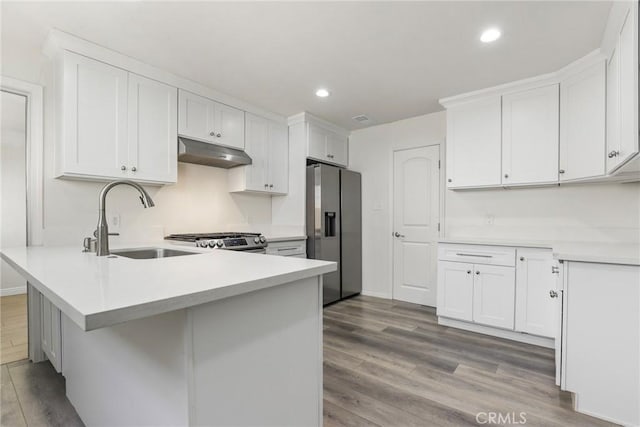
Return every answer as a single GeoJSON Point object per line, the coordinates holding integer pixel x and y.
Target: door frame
{"type": "Point", "coordinates": [35, 199]}
{"type": "Point", "coordinates": [441, 198]}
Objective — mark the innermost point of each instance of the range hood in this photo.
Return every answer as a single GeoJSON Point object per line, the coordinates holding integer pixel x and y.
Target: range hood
{"type": "Point", "coordinates": [203, 153]}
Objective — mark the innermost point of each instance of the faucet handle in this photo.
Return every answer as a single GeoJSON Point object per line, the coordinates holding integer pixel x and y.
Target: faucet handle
{"type": "Point", "coordinates": [95, 233]}
{"type": "Point", "coordinates": [89, 244]}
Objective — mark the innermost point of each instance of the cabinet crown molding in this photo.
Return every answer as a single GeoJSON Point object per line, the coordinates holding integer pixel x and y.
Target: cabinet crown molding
{"type": "Point", "coordinates": [308, 117]}
{"type": "Point", "coordinates": [528, 83]}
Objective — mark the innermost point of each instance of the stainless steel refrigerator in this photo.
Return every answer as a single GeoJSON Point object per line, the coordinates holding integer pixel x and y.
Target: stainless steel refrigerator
{"type": "Point", "coordinates": [334, 227]}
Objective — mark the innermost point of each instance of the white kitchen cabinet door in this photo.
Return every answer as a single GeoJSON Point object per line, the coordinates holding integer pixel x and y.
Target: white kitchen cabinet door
{"type": "Point", "coordinates": [628, 87]}
{"type": "Point", "coordinates": [474, 143]}
{"type": "Point", "coordinates": [196, 116]}
{"type": "Point", "coordinates": [153, 117]}
{"type": "Point", "coordinates": [530, 125]}
{"type": "Point", "coordinates": [613, 111]}
{"type": "Point", "coordinates": [257, 140]}
{"type": "Point", "coordinates": [93, 138]}
{"type": "Point", "coordinates": [455, 290]}
{"type": "Point", "coordinates": [278, 158]}
{"type": "Point", "coordinates": [229, 126]}
{"type": "Point", "coordinates": [337, 148]}
{"type": "Point", "coordinates": [582, 124]}
{"type": "Point", "coordinates": [535, 308]}
{"type": "Point", "coordinates": [316, 142]}
{"type": "Point", "coordinates": [51, 332]}
{"type": "Point", "coordinates": [494, 295]}
{"type": "Point", "coordinates": [326, 145]}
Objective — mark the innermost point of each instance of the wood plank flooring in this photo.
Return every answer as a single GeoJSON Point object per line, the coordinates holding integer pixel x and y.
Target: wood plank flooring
{"type": "Point", "coordinates": [386, 363]}
{"type": "Point", "coordinates": [389, 363]}
{"type": "Point", "coordinates": [13, 328]}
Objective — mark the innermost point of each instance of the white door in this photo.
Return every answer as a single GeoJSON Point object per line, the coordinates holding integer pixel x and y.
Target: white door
{"type": "Point", "coordinates": [474, 144]}
{"type": "Point", "coordinates": [196, 116]}
{"type": "Point", "coordinates": [535, 309]}
{"type": "Point", "coordinates": [278, 158]}
{"type": "Point", "coordinates": [229, 126]}
{"type": "Point", "coordinates": [94, 117]}
{"type": "Point", "coordinates": [455, 290]}
{"type": "Point", "coordinates": [153, 117]}
{"type": "Point", "coordinates": [530, 126]}
{"type": "Point", "coordinates": [416, 209]}
{"type": "Point", "coordinates": [582, 124]}
{"type": "Point", "coordinates": [257, 140]}
{"type": "Point", "coordinates": [494, 295]}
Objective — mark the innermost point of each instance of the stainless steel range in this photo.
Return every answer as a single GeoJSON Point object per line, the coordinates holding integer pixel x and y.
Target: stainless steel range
{"type": "Point", "coordinates": [248, 242]}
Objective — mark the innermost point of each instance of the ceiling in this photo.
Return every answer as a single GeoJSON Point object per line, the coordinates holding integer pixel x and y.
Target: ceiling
{"type": "Point", "coordinates": [388, 60]}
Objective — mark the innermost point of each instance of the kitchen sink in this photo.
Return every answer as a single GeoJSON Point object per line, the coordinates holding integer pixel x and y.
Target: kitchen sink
{"type": "Point", "coordinates": [151, 253]}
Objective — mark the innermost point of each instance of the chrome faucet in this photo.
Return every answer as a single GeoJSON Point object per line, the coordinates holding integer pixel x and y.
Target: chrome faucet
{"type": "Point", "coordinates": [102, 231]}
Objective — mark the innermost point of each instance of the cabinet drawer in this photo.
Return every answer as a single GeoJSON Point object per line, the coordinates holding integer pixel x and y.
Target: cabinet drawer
{"type": "Point", "coordinates": [287, 248]}
{"type": "Point", "coordinates": [477, 254]}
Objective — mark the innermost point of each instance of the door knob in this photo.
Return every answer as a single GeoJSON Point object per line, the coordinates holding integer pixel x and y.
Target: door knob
{"type": "Point", "coordinates": [613, 154]}
{"type": "Point", "coordinates": [553, 294]}
{"type": "Point", "coordinates": [398, 234]}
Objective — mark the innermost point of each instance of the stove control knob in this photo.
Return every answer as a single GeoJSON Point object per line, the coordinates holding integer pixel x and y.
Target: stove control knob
{"type": "Point", "coordinates": [212, 243]}
{"type": "Point", "coordinates": [219, 243]}
{"type": "Point", "coordinates": [203, 243]}
{"type": "Point", "coordinates": [256, 240]}
{"type": "Point", "coordinates": [263, 239]}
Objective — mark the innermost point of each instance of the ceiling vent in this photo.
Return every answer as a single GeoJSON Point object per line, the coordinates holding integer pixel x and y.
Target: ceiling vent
{"type": "Point", "coordinates": [362, 119]}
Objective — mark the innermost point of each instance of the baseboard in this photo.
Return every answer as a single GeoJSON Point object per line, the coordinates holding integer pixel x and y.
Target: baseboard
{"type": "Point", "coordinates": [5, 292]}
{"type": "Point", "coordinates": [384, 295]}
{"type": "Point", "coordinates": [497, 332]}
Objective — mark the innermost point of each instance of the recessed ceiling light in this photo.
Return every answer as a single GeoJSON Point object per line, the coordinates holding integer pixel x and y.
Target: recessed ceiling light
{"type": "Point", "coordinates": [490, 35]}
{"type": "Point", "coordinates": [322, 93]}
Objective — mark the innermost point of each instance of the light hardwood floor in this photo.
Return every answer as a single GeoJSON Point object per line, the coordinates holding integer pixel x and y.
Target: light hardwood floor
{"type": "Point", "coordinates": [13, 328]}
{"type": "Point", "coordinates": [389, 363]}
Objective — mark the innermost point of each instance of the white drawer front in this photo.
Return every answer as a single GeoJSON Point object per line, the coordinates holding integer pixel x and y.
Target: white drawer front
{"type": "Point", "coordinates": [288, 248]}
{"type": "Point", "coordinates": [477, 254]}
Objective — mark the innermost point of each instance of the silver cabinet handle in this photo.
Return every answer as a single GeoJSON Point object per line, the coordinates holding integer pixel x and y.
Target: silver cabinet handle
{"type": "Point", "coordinates": [123, 168]}
{"type": "Point", "coordinates": [521, 258]}
{"type": "Point", "coordinates": [330, 156]}
{"type": "Point", "coordinates": [270, 185]}
{"type": "Point", "coordinates": [476, 255]}
{"type": "Point", "coordinates": [398, 234]}
{"type": "Point", "coordinates": [133, 169]}
{"type": "Point", "coordinates": [613, 154]}
{"type": "Point", "coordinates": [478, 272]}
{"type": "Point", "coordinates": [212, 133]}
{"type": "Point", "coordinates": [266, 186]}
{"type": "Point", "coordinates": [555, 270]}
{"type": "Point", "coordinates": [561, 171]}
{"type": "Point", "coordinates": [553, 294]}
{"type": "Point", "coordinates": [449, 180]}
{"type": "Point", "coordinates": [468, 271]}
{"type": "Point", "coordinates": [506, 175]}
{"type": "Point", "coordinates": [286, 249]}
{"type": "Point", "coordinates": [218, 135]}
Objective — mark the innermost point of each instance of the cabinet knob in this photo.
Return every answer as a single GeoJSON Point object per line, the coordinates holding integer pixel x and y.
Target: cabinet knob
{"type": "Point", "coordinates": [521, 258]}
{"type": "Point", "coordinates": [613, 154]}
{"type": "Point", "coordinates": [506, 175]}
{"type": "Point", "coordinates": [468, 271]}
{"type": "Point", "coordinates": [123, 168]}
{"type": "Point", "coordinates": [212, 134]}
{"type": "Point", "coordinates": [270, 185]}
{"type": "Point", "coordinates": [449, 180]}
{"type": "Point", "coordinates": [477, 272]}
{"type": "Point", "coordinates": [555, 270]}
{"type": "Point", "coordinates": [553, 294]}
{"type": "Point", "coordinates": [133, 169]}
{"type": "Point", "coordinates": [266, 185]}
{"type": "Point", "coordinates": [218, 135]}
{"type": "Point", "coordinates": [561, 171]}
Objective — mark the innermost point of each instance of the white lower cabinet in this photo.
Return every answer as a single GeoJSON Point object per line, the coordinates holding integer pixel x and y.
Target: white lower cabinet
{"type": "Point", "coordinates": [51, 332]}
{"type": "Point", "coordinates": [493, 296]}
{"type": "Point", "coordinates": [455, 290]}
{"type": "Point", "coordinates": [496, 293]}
{"type": "Point", "coordinates": [293, 248]}
{"type": "Point", "coordinates": [535, 307]}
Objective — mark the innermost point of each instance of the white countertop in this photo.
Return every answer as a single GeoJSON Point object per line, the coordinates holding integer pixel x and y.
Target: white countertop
{"type": "Point", "coordinates": [597, 252]}
{"type": "Point", "coordinates": [96, 292]}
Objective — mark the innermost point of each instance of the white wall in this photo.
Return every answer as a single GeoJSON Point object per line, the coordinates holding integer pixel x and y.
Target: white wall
{"type": "Point", "coordinates": [589, 212]}
{"type": "Point", "coordinates": [13, 193]}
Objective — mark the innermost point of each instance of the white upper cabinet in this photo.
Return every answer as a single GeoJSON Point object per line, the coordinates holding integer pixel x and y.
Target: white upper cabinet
{"type": "Point", "coordinates": [267, 143]}
{"type": "Point", "coordinates": [114, 124]}
{"type": "Point", "coordinates": [209, 121]}
{"type": "Point", "coordinates": [582, 124]}
{"type": "Point", "coordinates": [535, 308]}
{"type": "Point", "coordinates": [92, 139]}
{"type": "Point", "coordinates": [326, 145]}
{"type": "Point", "coordinates": [473, 144]}
{"type": "Point", "coordinates": [530, 125]}
{"type": "Point", "coordinates": [153, 118]}
{"type": "Point", "coordinates": [622, 94]}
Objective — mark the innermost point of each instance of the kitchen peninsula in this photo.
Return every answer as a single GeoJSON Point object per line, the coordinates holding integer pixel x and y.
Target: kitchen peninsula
{"type": "Point", "coordinates": [208, 338]}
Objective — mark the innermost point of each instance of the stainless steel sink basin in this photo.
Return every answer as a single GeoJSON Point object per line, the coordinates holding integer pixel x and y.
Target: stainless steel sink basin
{"type": "Point", "coordinates": [151, 253]}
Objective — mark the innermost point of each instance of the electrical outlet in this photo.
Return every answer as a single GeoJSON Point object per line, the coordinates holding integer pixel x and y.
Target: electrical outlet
{"type": "Point", "coordinates": [489, 219]}
{"type": "Point", "coordinates": [113, 219]}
